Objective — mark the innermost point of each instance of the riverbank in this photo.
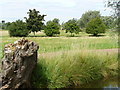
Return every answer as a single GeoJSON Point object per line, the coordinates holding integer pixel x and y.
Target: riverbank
{"type": "Point", "coordinates": [74, 68]}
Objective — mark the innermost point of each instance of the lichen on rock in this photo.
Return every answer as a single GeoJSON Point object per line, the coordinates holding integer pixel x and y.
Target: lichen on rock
{"type": "Point", "coordinates": [18, 63]}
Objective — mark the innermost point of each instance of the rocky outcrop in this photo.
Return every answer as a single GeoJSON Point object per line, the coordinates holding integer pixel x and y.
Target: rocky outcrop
{"type": "Point", "coordinates": [18, 63]}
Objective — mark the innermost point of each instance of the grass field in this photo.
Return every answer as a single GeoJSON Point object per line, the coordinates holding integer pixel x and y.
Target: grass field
{"type": "Point", "coordinates": [54, 44]}
{"type": "Point", "coordinates": [65, 61]}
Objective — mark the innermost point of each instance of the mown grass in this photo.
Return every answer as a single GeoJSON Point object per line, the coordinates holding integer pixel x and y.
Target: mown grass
{"type": "Point", "coordinates": [74, 68]}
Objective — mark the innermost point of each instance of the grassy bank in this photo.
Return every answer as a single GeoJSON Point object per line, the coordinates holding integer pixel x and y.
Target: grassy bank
{"type": "Point", "coordinates": [66, 61]}
{"type": "Point", "coordinates": [74, 68]}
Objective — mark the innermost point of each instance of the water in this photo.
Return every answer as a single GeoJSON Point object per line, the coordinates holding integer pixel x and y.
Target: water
{"type": "Point", "coordinates": [109, 84]}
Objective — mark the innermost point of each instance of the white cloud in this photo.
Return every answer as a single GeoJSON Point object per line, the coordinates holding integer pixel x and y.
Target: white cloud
{"type": "Point", "coordinates": [96, 1]}
{"type": "Point", "coordinates": [65, 3]}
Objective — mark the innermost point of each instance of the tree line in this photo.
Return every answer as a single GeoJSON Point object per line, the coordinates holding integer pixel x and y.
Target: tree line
{"type": "Point", "coordinates": [90, 22]}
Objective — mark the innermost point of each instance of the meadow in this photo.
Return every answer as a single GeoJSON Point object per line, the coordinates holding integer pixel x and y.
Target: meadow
{"type": "Point", "coordinates": [65, 61]}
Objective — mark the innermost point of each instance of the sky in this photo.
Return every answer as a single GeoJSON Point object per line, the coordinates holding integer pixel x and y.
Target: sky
{"type": "Point", "coordinates": [12, 10]}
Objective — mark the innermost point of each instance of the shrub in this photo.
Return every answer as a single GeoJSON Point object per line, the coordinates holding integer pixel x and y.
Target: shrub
{"type": "Point", "coordinates": [95, 26]}
{"type": "Point", "coordinates": [52, 28]}
{"type": "Point", "coordinates": [18, 29]}
{"type": "Point", "coordinates": [72, 27]}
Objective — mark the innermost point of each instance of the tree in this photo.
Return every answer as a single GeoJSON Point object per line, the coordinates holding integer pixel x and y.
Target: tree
{"type": "Point", "coordinates": [115, 5]}
{"type": "Point", "coordinates": [18, 29]}
{"type": "Point", "coordinates": [109, 21]}
{"type": "Point", "coordinates": [72, 27]}
{"type": "Point", "coordinates": [95, 26]}
{"type": "Point", "coordinates": [56, 20]}
{"type": "Point", "coordinates": [34, 21]}
{"type": "Point", "coordinates": [3, 24]}
{"type": "Point", "coordinates": [52, 28]}
{"type": "Point", "coordinates": [7, 25]}
{"type": "Point", "coordinates": [86, 17]}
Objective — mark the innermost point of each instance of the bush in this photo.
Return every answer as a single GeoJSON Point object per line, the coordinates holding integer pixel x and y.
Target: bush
{"type": "Point", "coordinates": [52, 28]}
{"type": "Point", "coordinates": [18, 29]}
{"type": "Point", "coordinates": [95, 26]}
{"type": "Point", "coordinates": [72, 27]}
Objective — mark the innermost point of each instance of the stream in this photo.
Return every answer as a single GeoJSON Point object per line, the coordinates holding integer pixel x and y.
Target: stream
{"type": "Point", "coordinates": [109, 84]}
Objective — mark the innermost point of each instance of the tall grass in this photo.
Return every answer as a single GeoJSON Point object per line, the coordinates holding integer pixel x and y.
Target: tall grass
{"type": "Point", "coordinates": [74, 68]}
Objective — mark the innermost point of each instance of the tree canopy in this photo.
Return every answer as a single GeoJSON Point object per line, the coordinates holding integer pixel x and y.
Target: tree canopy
{"type": "Point", "coordinates": [52, 28]}
{"type": "Point", "coordinates": [95, 26]}
{"type": "Point", "coordinates": [18, 29]}
{"type": "Point", "coordinates": [87, 16]}
{"type": "Point", "coordinates": [34, 21]}
{"type": "Point", "coordinates": [72, 27]}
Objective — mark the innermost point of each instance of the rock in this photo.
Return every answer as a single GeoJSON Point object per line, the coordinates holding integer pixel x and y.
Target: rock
{"type": "Point", "coordinates": [18, 63]}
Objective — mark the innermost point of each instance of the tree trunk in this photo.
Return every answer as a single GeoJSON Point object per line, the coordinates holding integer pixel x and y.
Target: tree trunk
{"type": "Point", "coordinates": [95, 34]}
{"type": "Point", "coordinates": [18, 63]}
{"type": "Point", "coordinates": [34, 34]}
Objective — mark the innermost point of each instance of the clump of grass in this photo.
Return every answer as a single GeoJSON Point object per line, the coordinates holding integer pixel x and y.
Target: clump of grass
{"type": "Point", "coordinates": [74, 68]}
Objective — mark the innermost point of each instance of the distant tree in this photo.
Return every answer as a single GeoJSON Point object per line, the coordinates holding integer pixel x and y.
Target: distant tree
{"type": "Point", "coordinates": [109, 21]}
{"type": "Point", "coordinates": [3, 24]}
{"type": "Point", "coordinates": [115, 5]}
{"type": "Point", "coordinates": [52, 28]}
{"type": "Point", "coordinates": [86, 17]}
{"type": "Point", "coordinates": [95, 26]}
{"type": "Point", "coordinates": [34, 21]}
{"type": "Point", "coordinates": [62, 26]}
{"type": "Point", "coordinates": [18, 29]}
{"type": "Point", "coordinates": [7, 25]}
{"type": "Point", "coordinates": [56, 20]}
{"type": "Point", "coordinates": [72, 27]}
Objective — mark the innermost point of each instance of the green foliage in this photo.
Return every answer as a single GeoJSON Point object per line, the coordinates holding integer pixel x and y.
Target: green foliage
{"type": "Point", "coordinates": [34, 21]}
{"type": "Point", "coordinates": [18, 29]}
{"type": "Point", "coordinates": [7, 25]}
{"type": "Point", "coordinates": [3, 24]}
{"type": "Point", "coordinates": [52, 28]}
{"type": "Point", "coordinates": [72, 27]}
{"type": "Point", "coordinates": [86, 17]}
{"type": "Point", "coordinates": [109, 21]}
{"type": "Point", "coordinates": [95, 26]}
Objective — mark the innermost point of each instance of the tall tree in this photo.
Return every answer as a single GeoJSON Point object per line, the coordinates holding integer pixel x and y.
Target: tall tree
{"type": "Point", "coordinates": [86, 17]}
{"type": "Point", "coordinates": [34, 21]}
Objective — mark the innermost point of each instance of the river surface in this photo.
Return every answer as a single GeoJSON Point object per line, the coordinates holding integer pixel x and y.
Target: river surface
{"type": "Point", "coordinates": [109, 84]}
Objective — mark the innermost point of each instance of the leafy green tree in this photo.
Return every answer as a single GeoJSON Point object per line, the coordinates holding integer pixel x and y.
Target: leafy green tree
{"type": "Point", "coordinates": [52, 28]}
{"type": "Point", "coordinates": [18, 29]}
{"type": "Point", "coordinates": [86, 17]}
{"type": "Point", "coordinates": [34, 21]}
{"type": "Point", "coordinates": [72, 27]}
{"type": "Point", "coordinates": [95, 26]}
